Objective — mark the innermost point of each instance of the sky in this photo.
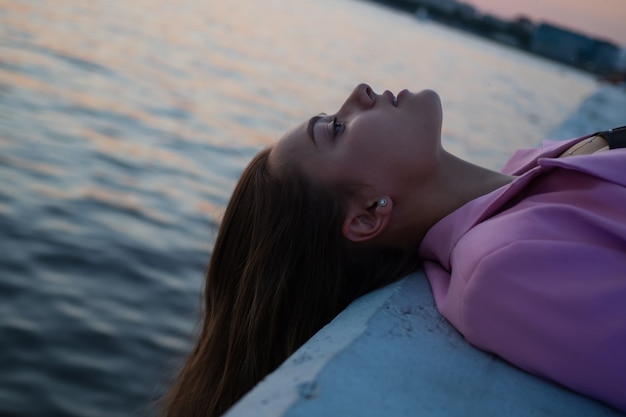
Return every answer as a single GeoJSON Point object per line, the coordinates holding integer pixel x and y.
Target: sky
{"type": "Point", "coordinates": [604, 19]}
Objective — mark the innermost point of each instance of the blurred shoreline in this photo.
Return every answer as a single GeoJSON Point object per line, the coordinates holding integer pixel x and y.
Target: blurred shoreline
{"type": "Point", "coordinates": [597, 56]}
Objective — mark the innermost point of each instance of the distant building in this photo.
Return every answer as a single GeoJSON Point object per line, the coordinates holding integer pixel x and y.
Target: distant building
{"type": "Point", "coordinates": [524, 24]}
{"type": "Point", "coordinates": [604, 57]}
{"type": "Point", "coordinates": [495, 22]}
{"type": "Point", "coordinates": [621, 60]}
{"type": "Point", "coordinates": [467, 11]}
{"type": "Point", "coordinates": [559, 44]}
{"type": "Point", "coordinates": [446, 6]}
{"type": "Point", "coordinates": [574, 48]}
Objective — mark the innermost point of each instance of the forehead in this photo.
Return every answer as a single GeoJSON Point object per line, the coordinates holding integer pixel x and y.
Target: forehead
{"type": "Point", "coordinates": [294, 146]}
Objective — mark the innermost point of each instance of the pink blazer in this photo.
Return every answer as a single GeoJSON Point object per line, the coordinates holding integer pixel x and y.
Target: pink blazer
{"type": "Point", "coordinates": [535, 271]}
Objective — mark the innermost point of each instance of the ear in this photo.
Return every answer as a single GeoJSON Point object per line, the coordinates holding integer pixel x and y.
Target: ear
{"type": "Point", "coordinates": [366, 220]}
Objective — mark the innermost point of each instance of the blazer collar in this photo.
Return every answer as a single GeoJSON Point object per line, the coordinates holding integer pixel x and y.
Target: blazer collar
{"type": "Point", "coordinates": [527, 165]}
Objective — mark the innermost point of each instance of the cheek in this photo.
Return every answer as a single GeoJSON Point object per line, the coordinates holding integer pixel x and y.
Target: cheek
{"type": "Point", "coordinates": [347, 166]}
{"type": "Point", "coordinates": [390, 131]}
{"type": "Point", "coordinates": [374, 146]}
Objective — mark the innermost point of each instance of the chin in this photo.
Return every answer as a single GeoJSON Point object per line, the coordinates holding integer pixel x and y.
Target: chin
{"type": "Point", "coordinates": [433, 98]}
{"type": "Point", "coordinates": [431, 94]}
{"type": "Point", "coordinates": [427, 104]}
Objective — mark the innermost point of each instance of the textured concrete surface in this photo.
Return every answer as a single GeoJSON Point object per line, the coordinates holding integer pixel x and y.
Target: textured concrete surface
{"type": "Point", "coordinates": [390, 353]}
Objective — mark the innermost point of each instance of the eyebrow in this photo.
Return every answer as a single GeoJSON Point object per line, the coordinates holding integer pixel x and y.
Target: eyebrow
{"type": "Point", "coordinates": [311, 125]}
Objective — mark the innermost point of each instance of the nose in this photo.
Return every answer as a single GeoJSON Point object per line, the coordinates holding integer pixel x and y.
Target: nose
{"type": "Point", "coordinates": [361, 98]}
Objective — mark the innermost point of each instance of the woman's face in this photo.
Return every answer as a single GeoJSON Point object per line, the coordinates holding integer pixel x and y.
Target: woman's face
{"type": "Point", "coordinates": [374, 140]}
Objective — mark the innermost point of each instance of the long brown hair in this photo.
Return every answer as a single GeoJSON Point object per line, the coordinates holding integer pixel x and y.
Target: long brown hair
{"type": "Point", "coordinates": [280, 270]}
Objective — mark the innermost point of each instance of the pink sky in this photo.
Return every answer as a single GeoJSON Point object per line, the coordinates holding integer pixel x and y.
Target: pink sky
{"type": "Point", "coordinates": [598, 18]}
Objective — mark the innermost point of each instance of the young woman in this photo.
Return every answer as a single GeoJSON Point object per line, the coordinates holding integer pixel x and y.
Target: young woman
{"type": "Point", "coordinates": [529, 264]}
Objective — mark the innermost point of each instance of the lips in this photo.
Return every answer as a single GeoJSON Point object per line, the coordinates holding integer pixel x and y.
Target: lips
{"type": "Point", "coordinates": [392, 99]}
{"type": "Point", "coordinates": [401, 94]}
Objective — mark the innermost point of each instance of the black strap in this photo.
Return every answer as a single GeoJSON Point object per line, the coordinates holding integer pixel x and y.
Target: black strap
{"type": "Point", "coordinates": [615, 137]}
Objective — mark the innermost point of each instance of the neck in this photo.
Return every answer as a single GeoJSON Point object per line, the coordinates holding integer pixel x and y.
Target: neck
{"type": "Point", "coordinates": [461, 182]}
{"type": "Point", "coordinates": [456, 183]}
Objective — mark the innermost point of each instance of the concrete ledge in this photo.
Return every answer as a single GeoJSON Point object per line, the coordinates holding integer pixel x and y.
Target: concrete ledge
{"type": "Point", "coordinates": [390, 353]}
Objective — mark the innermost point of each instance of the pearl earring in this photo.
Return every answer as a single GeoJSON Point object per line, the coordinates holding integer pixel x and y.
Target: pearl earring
{"type": "Point", "coordinates": [382, 202]}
